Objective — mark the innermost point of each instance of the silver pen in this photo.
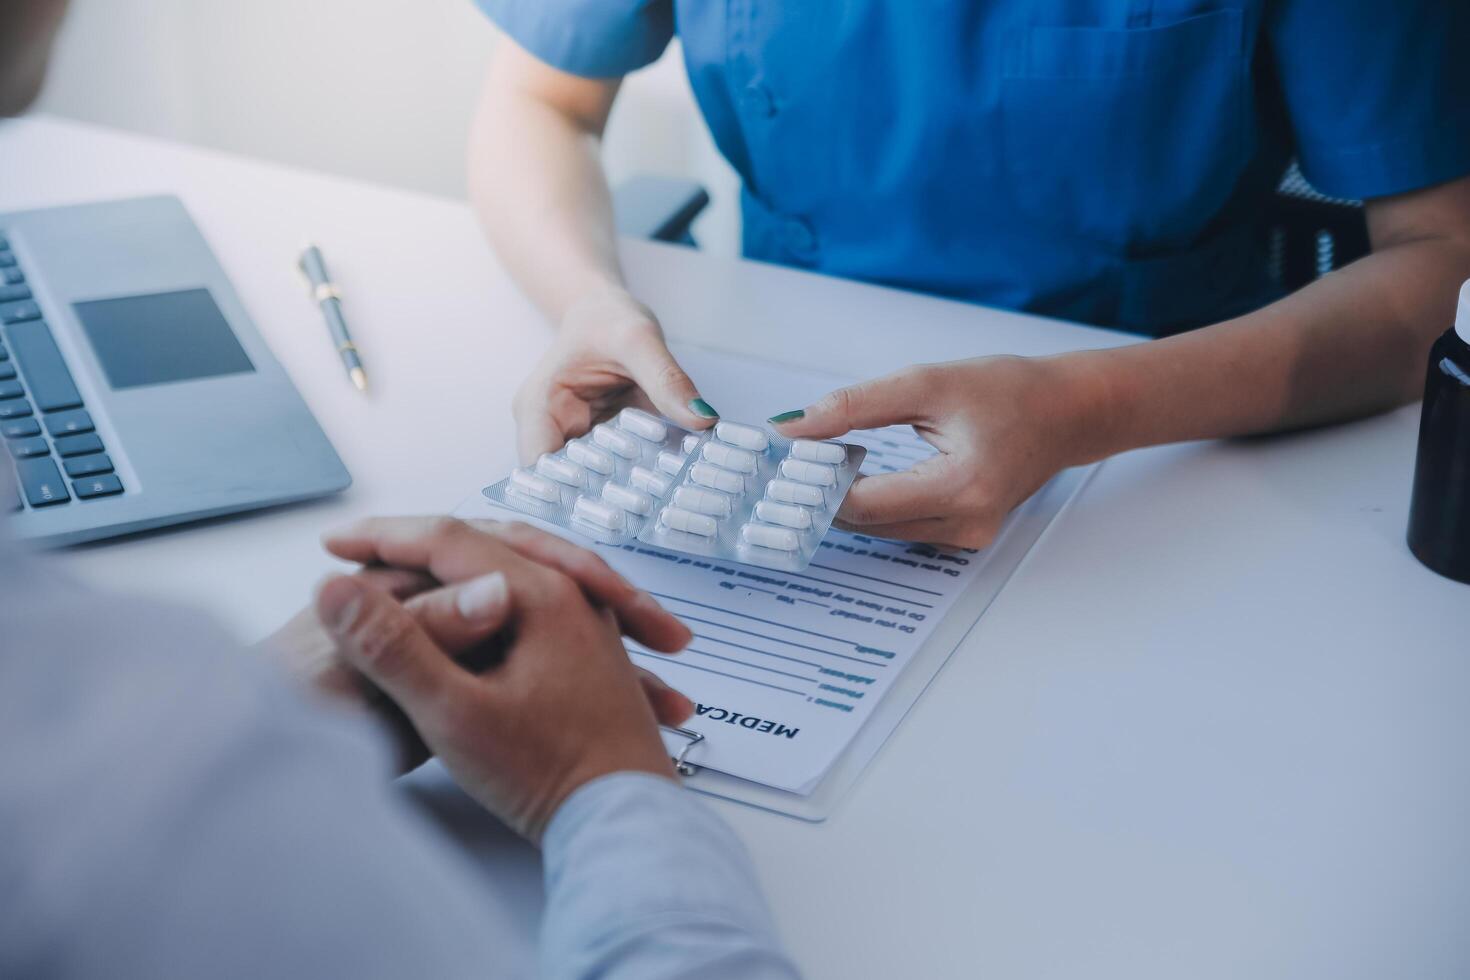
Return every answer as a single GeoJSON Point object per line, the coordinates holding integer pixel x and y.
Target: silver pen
{"type": "Point", "coordinates": [327, 296]}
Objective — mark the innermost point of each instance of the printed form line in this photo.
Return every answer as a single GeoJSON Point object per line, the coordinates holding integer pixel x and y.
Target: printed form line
{"type": "Point", "coordinates": [874, 578]}
{"type": "Point", "coordinates": [769, 622]}
{"type": "Point", "coordinates": [765, 653]}
{"type": "Point", "coordinates": [753, 588]}
{"type": "Point", "coordinates": [676, 662]}
{"type": "Point", "coordinates": [777, 639]}
{"type": "Point", "coordinates": [746, 663]}
{"type": "Point", "coordinates": [854, 588]}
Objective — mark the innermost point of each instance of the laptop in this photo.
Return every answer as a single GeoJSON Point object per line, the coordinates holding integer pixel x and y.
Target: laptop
{"type": "Point", "coordinates": [134, 391]}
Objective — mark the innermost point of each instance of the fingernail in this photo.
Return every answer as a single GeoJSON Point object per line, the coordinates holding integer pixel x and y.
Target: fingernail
{"type": "Point", "coordinates": [483, 598]}
{"type": "Point", "coordinates": [703, 409]}
{"type": "Point", "coordinates": [338, 603]}
{"type": "Point", "coordinates": [791, 416]}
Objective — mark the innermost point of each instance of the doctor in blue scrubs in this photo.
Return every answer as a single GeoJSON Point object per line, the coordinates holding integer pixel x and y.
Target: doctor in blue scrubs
{"type": "Point", "coordinates": [1107, 161]}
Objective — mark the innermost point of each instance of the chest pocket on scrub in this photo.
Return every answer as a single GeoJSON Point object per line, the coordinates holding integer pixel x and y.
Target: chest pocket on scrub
{"type": "Point", "coordinates": [1133, 138]}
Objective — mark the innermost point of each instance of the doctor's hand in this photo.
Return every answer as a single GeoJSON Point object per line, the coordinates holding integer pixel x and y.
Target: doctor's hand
{"type": "Point", "coordinates": [609, 352]}
{"type": "Point", "coordinates": [562, 707]}
{"type": "Point", "coordinates": [1003, 427]}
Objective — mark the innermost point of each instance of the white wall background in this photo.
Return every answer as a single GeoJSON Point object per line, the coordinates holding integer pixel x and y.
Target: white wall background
{"type": "Point", "coordinates": [375, 89]}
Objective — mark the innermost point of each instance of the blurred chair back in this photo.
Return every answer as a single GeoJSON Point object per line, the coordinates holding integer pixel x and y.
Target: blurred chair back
{"type": "Point", "coordinates": [659, 208]}
{"type": "Point", "coordinates": [1311, 234]}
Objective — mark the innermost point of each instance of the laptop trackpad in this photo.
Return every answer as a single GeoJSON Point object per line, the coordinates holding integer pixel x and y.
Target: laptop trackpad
{"type": "Point", "coordinates": [161, 337]}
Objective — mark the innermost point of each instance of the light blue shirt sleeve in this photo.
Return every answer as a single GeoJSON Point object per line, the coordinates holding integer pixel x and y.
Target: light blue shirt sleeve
{"type": "Point", "coordinates": [591, 38]}
{"type": "Point", "coordinates": [173, 807]}
{"type": "Point", "coordinates": [644, 882]}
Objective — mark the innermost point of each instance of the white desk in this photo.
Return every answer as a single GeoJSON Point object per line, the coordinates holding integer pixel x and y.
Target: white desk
{"type": "Point", "coordinates": [1215, 727]}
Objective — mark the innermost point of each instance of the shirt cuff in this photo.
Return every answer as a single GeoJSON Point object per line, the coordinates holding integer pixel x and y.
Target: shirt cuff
{"type": "Point", "coordinates": [652, 824]}
{"type": "Point", "coordinates": [640, 874]}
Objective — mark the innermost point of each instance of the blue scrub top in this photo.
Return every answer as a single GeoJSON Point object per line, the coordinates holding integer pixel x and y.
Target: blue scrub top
{"type": "Point", "coordinates": [1107, 161]}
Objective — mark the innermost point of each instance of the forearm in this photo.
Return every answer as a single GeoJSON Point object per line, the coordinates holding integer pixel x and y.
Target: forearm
{"type": "Point", "coordinates": [1349, 345]}
{"type": "Point", "coordinates": [537, 182]}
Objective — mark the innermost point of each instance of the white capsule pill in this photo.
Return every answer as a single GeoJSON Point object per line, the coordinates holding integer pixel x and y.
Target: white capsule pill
{"type": "Point", "coordinates": [619, 442]}
{"type": "Point", "coordinates": [670, 463]}
{"type": "Point", "coordinates": [702, 501]}
{"type": "Point", "coordinates": [561, 470]}
{"type": "Point", "coordinates": [818, 452]}
{"type": "Point", "coordinates": [640, 423]}
{"type": "Point", "coordinates": [627, 498]}
{"type": "Point", "coordinates": [528, 483]}
{"type": "Point", "coordinates": [805, 471]}
{"type": "Point", "coordinates": [709, 475]}
{"type": "Point", "coordinates": [676, 519]}
{"type": "Point", "coordinates": [731, 458]}
{"type": "Point", "coordinates": [690, 441]}
{"type": "Point", "coordinates": [787, 515]}
{"type": "Point", "coordinates": [595, 459]}
{"type": "Point", "coordinates": [744, 436]}
{"type": "Point", "coordinates": [790, 492]}
{"type": "Point", "coordinates": [775, 538]}
{"type": "Point", "coordinates": [648, 481]}
{"type": "Point", "coordinates": [598, 513]}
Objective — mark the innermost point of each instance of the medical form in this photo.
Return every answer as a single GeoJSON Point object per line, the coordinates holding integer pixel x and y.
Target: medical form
{"type": "Point", "coordinates": [786, 667]}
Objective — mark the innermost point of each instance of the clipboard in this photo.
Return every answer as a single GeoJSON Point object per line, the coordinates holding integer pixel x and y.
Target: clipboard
{"type": "Point", "coordinates": [1027, 525]}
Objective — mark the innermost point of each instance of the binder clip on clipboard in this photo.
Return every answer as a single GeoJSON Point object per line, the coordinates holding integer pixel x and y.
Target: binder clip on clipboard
{"type": "Point", "coordinates": [682, 765]}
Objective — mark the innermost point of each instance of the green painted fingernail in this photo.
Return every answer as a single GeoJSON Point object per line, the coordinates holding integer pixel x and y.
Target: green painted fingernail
{"type": "Point", "coordinates": [787, 416]}
{"type": "Point", "coordinates": [703, 409]}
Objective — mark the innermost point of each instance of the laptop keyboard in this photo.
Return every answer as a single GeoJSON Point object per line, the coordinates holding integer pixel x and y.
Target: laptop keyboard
{"type": "Point", "coordinates": [59, 458]}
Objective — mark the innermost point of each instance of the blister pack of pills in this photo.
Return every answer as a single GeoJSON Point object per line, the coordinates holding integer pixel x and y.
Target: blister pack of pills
{"type": "Point", "coordinates": [735, 491]}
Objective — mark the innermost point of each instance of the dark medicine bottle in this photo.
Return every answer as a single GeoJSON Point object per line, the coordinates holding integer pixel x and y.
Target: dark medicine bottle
{"type": "Point", "coordinates": [1439, 514]}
